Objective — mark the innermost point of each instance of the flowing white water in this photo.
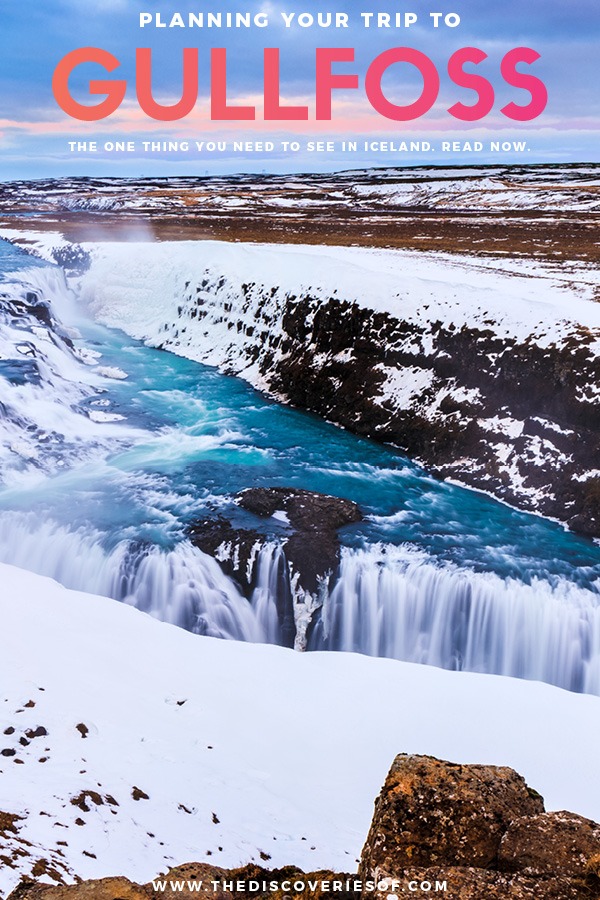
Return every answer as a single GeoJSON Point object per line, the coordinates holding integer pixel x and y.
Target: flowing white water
{"type": "Point", "coordinates": [182, 586]}
{"type": "Point", "coordinates": [387, 602]}
{"type": "Point", "coordinates": [196, 439]}
{"type": "Point", "coordinates": [49, 386]}
{"type": "Point", "coordinates": [269, 595]}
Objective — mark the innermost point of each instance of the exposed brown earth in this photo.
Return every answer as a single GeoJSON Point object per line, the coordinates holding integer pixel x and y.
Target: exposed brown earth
{"type": "Point", "coordinates": [342, 209]}
{"type": "Point", "coordinates": [530, 234]}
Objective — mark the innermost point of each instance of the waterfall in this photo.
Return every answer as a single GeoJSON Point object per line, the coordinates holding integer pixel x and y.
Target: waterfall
{"type": "Point", "coordinates": [399, 604]}
{"type": "Point", "coordinates": [182, 586]}
{"type": "Point", "coordinates": [271, 598]}
{"type": "Point", "coordinates": [386, 601]}
{"type": "Point", "coordinates": [49, 283]}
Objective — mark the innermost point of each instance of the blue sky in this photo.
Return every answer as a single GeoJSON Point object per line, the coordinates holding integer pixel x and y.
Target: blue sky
{"type": "Point", "coordinates": [34, 131]}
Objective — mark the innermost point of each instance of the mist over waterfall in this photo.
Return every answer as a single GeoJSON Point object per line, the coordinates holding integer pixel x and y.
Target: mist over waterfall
{"type": "Point", "coordinates": [112, 450]}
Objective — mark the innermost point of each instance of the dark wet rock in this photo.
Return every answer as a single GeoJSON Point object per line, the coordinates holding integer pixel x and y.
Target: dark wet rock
{"type": "Point", "coordinates": [485, 379]}
{"type": "Point", "coordinates": [235, 548]}
{"type": "Point", "coordinates": [313, 549]}
{"type": "Point", "coordinates": [38, 308]}
{"type": "Point", "coordinates": [302, 545]}
{"type": "Point", "coordinates": [586, 500]}
{"type": "Point", "coordinates": [432, 812]}
{"type": "Point", "coordinates": [551, 843]}
{"type": "Point", "coordinates": [73, 258]}
{"type": "Point", "coordinates": [238, 552]}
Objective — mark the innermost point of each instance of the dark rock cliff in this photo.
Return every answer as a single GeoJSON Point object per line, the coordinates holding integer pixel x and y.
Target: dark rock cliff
{"type": "Point", "coordinates": [519, 418]}
{"type": "Point", "coordinates": [307, 553]}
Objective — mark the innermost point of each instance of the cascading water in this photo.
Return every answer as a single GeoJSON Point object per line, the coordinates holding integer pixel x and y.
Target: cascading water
{"type": "Point", "coordinates": [271, 598]}
{"type": "Point", "coordinates": [182, 586]}
{"type": "Point", "coordinates": [400, 605]}
{"type": "Point", "coordinates": [103, 474]}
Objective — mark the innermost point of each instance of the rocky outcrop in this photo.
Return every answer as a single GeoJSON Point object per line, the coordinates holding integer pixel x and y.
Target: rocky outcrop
{"type": "Point", "coordinates": [234, 548]}
{"type": "Point", "coordinates": [511, 418]}
{"type": "Point", "coordinates": [466, 832]}
{"type": "Point", "coordinates": [515, 415]}
{"type": "Point", "coordinates": [301, 529]}
{"type": "Point", "coordinates": [482, 831]}
{"type": "Point", "coordinates": [464, 883]}
{"type": "Point", "coordinates": [201, 879]}
{"type": "Point", "coordinates": [431, 812]}
{"type": "Point", "coordinates": [102, 889]}
{"type": "Point", "coordinates": [313, 549]}
{"type": "Point", "coordinates": [553, 842]}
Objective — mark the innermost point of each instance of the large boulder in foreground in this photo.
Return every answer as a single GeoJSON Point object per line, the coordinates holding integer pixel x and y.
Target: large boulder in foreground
{"type": "Point", "coordinates": [190, 880]}
{"type": "Point", "coordinates": [479, 831]}
{"type": "Point", "coordinates": [454, 883]}
{"type": "Point", "coordinates": [101, 889]}
{"type": "Point", "coordinates": [435, 813]}
{"type": "Point", "coordinates": [553, 842]}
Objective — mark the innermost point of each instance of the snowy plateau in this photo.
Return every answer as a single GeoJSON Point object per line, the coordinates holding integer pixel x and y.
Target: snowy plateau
{"type": "Point", "coordinates": [142, 746]}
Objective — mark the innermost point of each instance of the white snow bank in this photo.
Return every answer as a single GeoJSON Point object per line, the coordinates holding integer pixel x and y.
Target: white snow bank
{"type": "Point", "coordinates": [243, 747]}
{"type": "Point", "coordinates": [139, 286]}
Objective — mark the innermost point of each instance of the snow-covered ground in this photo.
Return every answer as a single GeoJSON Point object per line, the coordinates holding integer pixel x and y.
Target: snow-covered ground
{"type": "Point", "coordinates": [484, 191]}
{"type": "Point", "coordinates": [138, 286]}
{"type": "Point", "coordinates": [487, 189]}
{"type": "Point", "coordinates": [137, 745]}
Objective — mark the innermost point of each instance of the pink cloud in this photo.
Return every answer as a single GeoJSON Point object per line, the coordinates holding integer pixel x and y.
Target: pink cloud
{"type": "Point", "coordinates": [350, 117]}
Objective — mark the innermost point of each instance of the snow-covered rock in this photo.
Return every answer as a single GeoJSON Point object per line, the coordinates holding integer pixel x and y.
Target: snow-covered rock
{"type": "Point", "coordinates": [49, 383]}
{"type": "Point", "coordinates": [485, 370]}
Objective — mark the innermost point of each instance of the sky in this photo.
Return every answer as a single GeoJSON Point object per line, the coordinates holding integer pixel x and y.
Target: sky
{"type": "Point", "coordinates": [36, 135]}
